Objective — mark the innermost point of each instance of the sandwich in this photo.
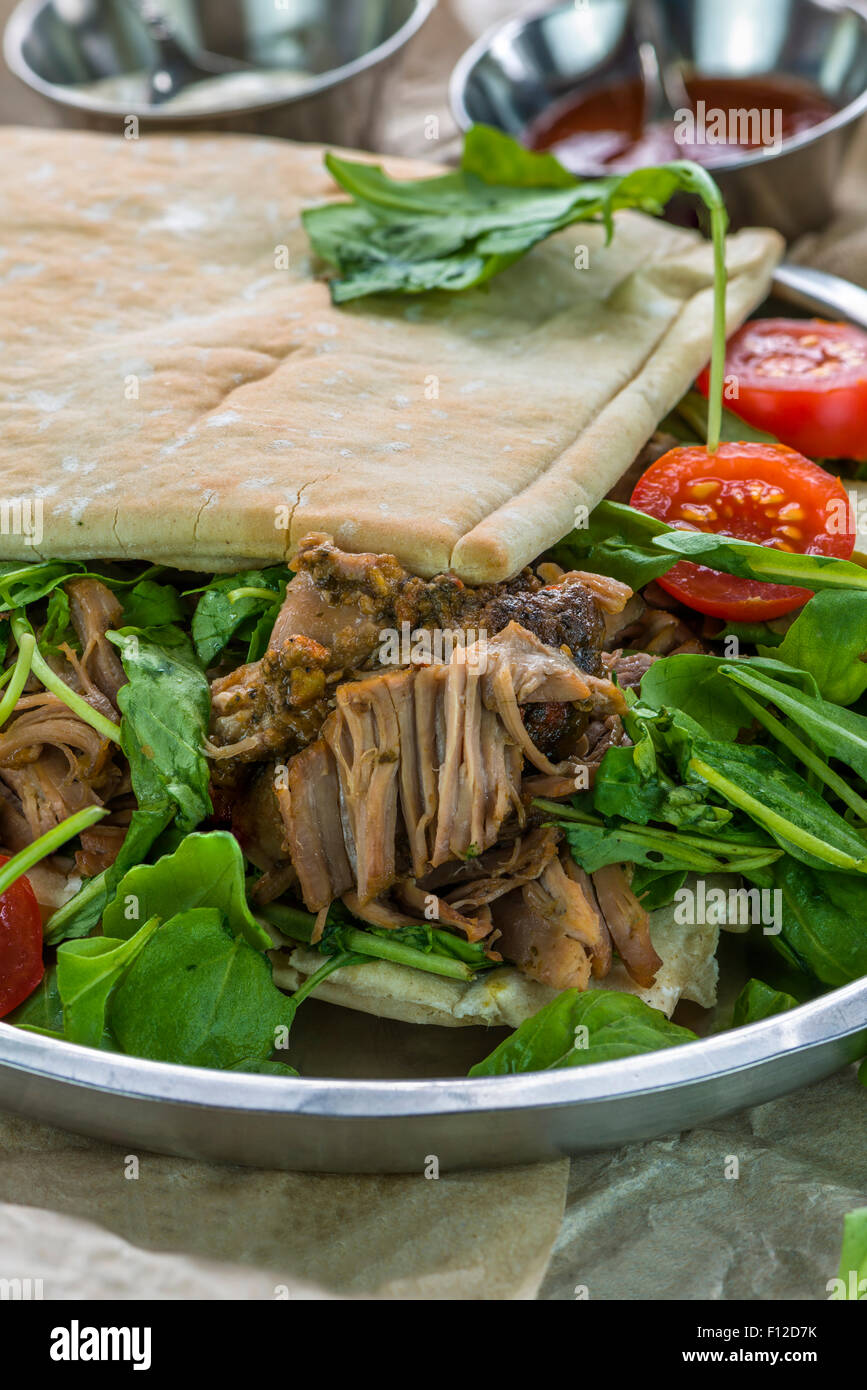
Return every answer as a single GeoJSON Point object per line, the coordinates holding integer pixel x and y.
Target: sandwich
{"type": "Point", "coordinates": [327, 657]}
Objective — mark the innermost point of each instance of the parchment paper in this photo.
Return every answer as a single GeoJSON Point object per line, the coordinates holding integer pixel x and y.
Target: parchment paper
{"type": "Point", "coordinates": [658, 1220]}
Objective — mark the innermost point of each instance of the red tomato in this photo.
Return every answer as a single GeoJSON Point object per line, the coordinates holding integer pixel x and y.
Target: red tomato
{"type": "Point", "coordinates": [756, 492]}
{"type": "Point", "coordinates": [21, 966]}
{"type": "Point", "coordinates": [804, 381]}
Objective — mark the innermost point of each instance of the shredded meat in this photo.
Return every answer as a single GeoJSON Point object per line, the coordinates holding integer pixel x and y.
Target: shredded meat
{"type": "Point", "coordinates": [422, 765]}
{"type": "Point", "coordinates": [94, 610]}
{"type": "Point", "coordinates": [564, 615]}
{"type": "Point", "coordinates": [628, 924]}
{"type": "Point", "coordinates": [330, 627]}
{"type": "Point", "coordinates": [100, 846]}
{"type": "Point", "coordinates": [630, 668]}
{"type": "Point", "coordinates": [551, 930]}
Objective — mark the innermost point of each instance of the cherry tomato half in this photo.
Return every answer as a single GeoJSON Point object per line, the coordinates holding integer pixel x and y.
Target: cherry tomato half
{"type": "Point", "coordinates": [21, 966]}
{"type": "Point", "coordinates": [764, 493]}
{"type": "Point", "coordinates": [804, 381]}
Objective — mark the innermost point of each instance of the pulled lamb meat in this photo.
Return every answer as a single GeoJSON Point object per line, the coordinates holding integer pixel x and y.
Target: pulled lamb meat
{"type": "Point", "coordinates": [560, 928]}
{"type": "Point", "coordinates": [95, 610]}
{"type": "Point", "coordinates": [52, 763]}
{"type": "Point", "coordinates": [401, 791]}
{"type": "Point", "coordinates": [420, 767]}
{"type": "Point", "coordinates": [330, 627]}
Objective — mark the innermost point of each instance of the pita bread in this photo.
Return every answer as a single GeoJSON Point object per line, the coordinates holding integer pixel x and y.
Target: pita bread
{"type": "Point", "coordinates": [505, 997]}
{"type": "Point", "coordinates": [173, 393]}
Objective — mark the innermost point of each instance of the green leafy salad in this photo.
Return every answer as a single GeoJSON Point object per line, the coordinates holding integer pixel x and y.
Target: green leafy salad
{"type": "Point", "coordinates": [742, 756]}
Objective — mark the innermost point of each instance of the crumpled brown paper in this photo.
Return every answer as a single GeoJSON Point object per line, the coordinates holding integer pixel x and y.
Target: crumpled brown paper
{"type": "Point", "coordinates": [179, 1226]}
{"type": "Point", "coordinates": [663, 1220]}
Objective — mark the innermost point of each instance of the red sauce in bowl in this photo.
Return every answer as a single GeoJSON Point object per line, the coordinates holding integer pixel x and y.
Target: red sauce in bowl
{"type": "Point", "coordinates": [604, 130]}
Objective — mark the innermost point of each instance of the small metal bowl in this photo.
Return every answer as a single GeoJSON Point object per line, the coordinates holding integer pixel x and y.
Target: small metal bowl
{"type": "Point", "coordinates": [341, 51]}
{"type": "Point", "coordinates": [523, 68]}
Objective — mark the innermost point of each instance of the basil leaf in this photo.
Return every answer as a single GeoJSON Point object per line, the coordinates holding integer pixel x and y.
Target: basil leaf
{"type": "Point", "coordinates": [758, 1000]}
{"type": "Point", "coordinates": [577, 1029]}
{"type": "Point", "coordinates": [204, 871]}
{"type": "Point", "coordinates": [199, 995]}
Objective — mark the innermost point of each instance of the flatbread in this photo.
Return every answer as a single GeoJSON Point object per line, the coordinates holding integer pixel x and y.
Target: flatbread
{"type": "Point", "coordinates": [504, 997]}
{"type": "Point", "coordinates": [170, 392]}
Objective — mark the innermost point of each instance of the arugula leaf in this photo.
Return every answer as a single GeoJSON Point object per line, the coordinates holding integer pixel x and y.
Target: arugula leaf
{"type": "Point", "coordinates": [822, 922]}
{"type": "Point", "coordinates": [149, 605]}
{"type": "Point", "coordinates": [57, 627]}
{"type": "Point", "coordinates": [692, 685]}
{"type": "Point", "coordinates": [829, 639]}
{"type": "Point", "coordinates": [852, 1274]}
{"type": "Point", "coordinates": [631, 785]}
{"type": "Point", "coordinates": [87, 972]}
{"type": "Point", "coordinates": [797, 817]}
{"type": "Point", "coordinates": [840, 733]}
{"type": "Point", "coordinates": [577, 1029]}
{"type": "Point", "coordinates": [206, 870]}
{"type": "Point", "coordinates": [231, 601]}
{"type": "Point", "coordinates": [617, 541]}
{"type": "Point", "coordinates": [21, 585]}
{"type": "Point", "coordinates": [42, 1009]}
{"type": "Point", "coordinates": [758, 1000]}
{"type": "Point", "coordinates": [654, 890]}
{"type": "Point", "coordinates": [594, 846]}
{"type": "Point", "coordinates": [458, 230]}
{"type": "Point", "coordinates": [627, 545]}
{"type": "Point", "coordinates": [268, 1067]}
{"type": "Point", "coordinates": [198, 995]}
{"type": "Point", "coordinates": [749, 560]}
{"type": "Point", "coordinates": [166, 710]}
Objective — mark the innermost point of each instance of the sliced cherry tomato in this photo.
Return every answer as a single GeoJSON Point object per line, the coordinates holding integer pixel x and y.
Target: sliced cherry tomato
{"type": "Point", "coordinates": [21, 966]}
{"type": "Point", "coordinates": [755, 492]}
{"type": "Point", "coordinates": [804, 381]}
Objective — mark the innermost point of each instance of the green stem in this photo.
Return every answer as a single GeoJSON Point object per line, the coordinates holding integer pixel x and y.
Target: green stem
{"type": "Point", "coordinates": [20, 672]}
{"type": "Point", "coordinates": [332, 963]}
{"type": "Point", "coordinates": [697, 180]}
{"type": "Point", "coordinates": [268, 594]}
{"type": "Point", "coordinates": [777, 824]}
{"type": "Point", "coordinates": [43, 672]}
{"type": "Point", "coordinates": [48, 843]}
{"type": "Point", "coordinates": [295, 923]}
{"type": "Point", "coordinates": [93, 889]}
{"type": "Point", "coordinates": [710, 851]}
{"type": "Point", "coordinates": [807, 756]}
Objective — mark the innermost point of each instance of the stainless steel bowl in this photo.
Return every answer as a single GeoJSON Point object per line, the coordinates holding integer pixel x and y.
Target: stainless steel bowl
{"type": "Point", "coordinates": [343, 51]}
{"type": "Point", "coordinates": [518, 70]}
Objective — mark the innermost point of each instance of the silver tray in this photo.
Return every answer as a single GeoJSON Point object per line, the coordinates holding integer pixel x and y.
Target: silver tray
{"type": "Point", "coordinates": [353, 1125]}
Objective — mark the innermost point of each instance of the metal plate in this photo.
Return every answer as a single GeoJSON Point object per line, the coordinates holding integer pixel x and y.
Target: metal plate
{"type": "Point", "coordinates": [351, 1125]}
